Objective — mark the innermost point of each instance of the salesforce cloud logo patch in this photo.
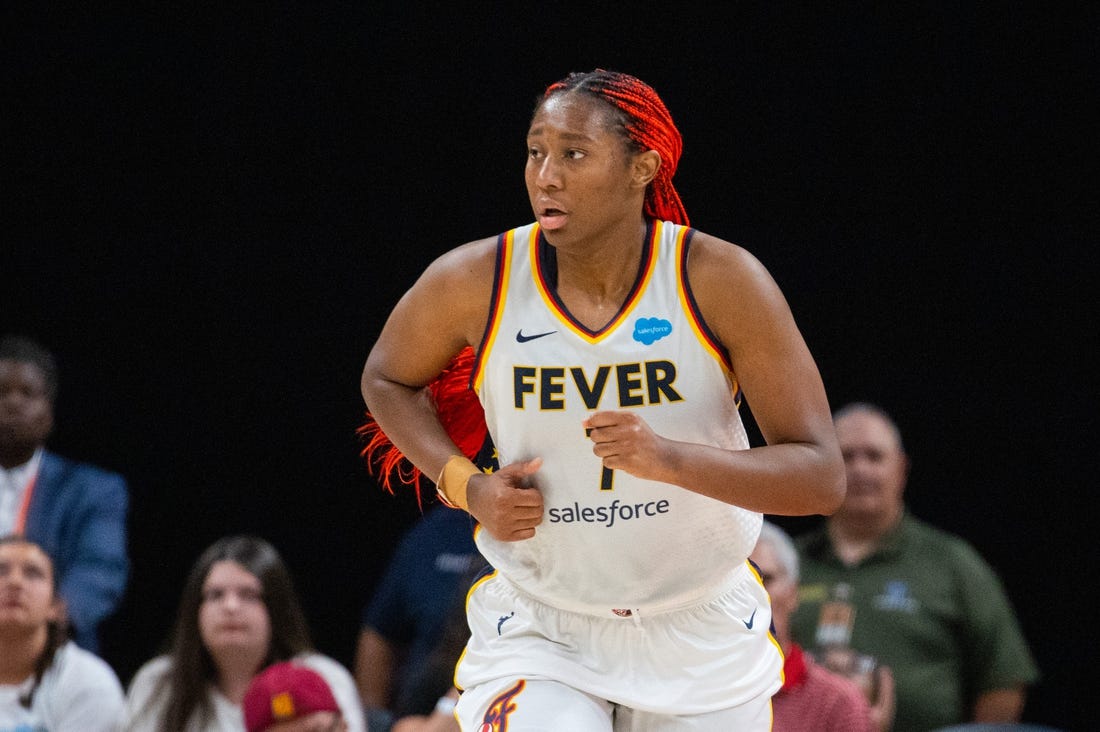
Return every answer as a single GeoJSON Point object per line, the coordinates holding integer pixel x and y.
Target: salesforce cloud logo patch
{"type": "Point", "coordinates": [648, 330]}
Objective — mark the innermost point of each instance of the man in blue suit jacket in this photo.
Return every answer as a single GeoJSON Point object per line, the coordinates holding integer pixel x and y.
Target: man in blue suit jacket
{"type": "Point", "coordinates": [75, 511]}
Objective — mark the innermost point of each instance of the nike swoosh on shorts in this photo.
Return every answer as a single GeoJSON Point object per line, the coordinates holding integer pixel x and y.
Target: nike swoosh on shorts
{"type": "Point", "coordinates": [752, 619]}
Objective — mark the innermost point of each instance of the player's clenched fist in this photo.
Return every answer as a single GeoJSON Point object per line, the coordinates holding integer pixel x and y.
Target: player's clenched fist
{"type": "Point", "coordinates": [504, 503]}
{"type": "Point", "coordinates": [625, 441]}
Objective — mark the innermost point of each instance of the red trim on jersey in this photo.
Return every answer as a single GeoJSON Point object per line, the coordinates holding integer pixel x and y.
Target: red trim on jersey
{"type": "Point", "coordinates": [692, 308]}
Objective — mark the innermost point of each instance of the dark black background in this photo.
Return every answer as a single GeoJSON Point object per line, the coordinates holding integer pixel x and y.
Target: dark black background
{"type": "Point", "coordinates": [210, 211]}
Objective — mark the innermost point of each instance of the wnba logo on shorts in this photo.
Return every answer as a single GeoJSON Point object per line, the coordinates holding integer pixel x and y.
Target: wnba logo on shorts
{"type": "Point", "coordinates": [496, 717]}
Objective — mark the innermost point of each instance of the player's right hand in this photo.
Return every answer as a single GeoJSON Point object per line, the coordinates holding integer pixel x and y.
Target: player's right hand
{"type": "Point", "coordinates": [504, 503]}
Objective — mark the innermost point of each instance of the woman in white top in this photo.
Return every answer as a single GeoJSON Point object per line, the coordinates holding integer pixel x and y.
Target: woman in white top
{"type": "Point", "coordinates": [238, 614]}
{"type": "Point", "coordinates": [46, 682]}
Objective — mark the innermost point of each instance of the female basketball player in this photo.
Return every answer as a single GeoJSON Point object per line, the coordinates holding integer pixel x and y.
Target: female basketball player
{"type": "Point", "coordinates": [611, 344]}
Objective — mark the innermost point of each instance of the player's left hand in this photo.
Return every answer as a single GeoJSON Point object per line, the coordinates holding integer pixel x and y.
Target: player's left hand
{"type": "Point", "coordinates": [625, 441]}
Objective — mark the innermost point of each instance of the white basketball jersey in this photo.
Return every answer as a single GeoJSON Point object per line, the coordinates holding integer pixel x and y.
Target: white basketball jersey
{"type": "Point", "coordinates": [609, 542]}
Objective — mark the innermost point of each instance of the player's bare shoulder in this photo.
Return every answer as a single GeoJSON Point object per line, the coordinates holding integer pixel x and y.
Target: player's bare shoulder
{"type": "Point", "coordinates": [454, 292]}
{"type": "Point", "coordinates": [466, 264]}
{"type": "Point", "coordinates": [717, 267]}
{"type": "Point", "coordinates": [460, 274]}
{"type": "Point", "coordinates": [735, 292]}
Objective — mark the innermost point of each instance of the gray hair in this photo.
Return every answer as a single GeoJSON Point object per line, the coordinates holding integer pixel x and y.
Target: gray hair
{"type": "Point", "coordinates": [873, 409]}
{"type": "Point", "coordinates": [784, 548]}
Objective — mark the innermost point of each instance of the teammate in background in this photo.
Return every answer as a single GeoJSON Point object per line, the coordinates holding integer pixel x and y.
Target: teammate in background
{"type": "Point", "coordinates": [47, 682]}
{"type": "Point", "coordinates": [921, 601]}
{"type": "Point", "coordinates": [812, 698]}
{"type": "Point", "coordinates": [612, 343]}
{"type": "Point", "coordinates": [76, 512]}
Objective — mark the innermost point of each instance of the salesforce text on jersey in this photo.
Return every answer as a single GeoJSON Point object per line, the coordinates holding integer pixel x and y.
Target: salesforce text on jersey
{"type": "Point", "coordinates": [606, 515]}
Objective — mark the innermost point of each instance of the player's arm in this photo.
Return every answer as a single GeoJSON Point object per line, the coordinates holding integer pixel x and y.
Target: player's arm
{"type": "Point", "coordinates": [800, 470]}
{"type": "Point", "coordinates": [442, 313]}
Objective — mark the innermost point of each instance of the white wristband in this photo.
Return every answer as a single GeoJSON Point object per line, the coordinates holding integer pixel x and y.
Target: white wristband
{"type": "Point", "coordinates": [446, 705]}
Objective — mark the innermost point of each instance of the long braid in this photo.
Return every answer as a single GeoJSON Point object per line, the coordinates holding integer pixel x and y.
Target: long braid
{"type": "Point", "coordinates": [649, 126]}
{"type": "Point", "coordinates": [459, 411]}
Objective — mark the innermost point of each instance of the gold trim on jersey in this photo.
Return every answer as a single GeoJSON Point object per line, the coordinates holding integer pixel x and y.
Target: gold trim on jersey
{"type": "Point", "coordinates": [497, 312]}
{"type": "Point", "coordinates": [635, 295]}
{"type": "Point", "coordinates": [693, 316]}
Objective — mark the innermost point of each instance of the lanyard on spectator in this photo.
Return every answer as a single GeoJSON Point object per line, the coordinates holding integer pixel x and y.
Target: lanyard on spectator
{"type": "Point", "coordinates": [21, 517]}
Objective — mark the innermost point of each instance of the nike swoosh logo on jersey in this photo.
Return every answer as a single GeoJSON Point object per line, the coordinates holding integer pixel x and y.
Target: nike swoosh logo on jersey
{"type": "Point", "coordinates": [752, 619]}
{"type": "Point", "coordinates": [520, 338]}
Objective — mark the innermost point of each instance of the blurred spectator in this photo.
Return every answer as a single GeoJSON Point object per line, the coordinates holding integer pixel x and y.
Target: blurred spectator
{"type": "Point", "coordinates": [76, 512]}
{"type": "Point", "coordinates": [238, 614]}
{"type": "Point", "coordinates": [47, 682]}
{"type": "Point", "coordinates": [403, 621]}
{"type": "Point", "coordinates": [291, 697]}
{"type": "Point", "coordinates": [921, 601]}
{"type": "Point", "coordinates": [440, 719]}
{"type": "Point", "coordinates": [430, 701]}
{"type": "Point", "coordinates": [812, 698]}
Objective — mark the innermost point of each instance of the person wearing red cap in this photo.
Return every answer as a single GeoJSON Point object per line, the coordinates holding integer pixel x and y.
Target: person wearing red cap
{"type": "Point", "coordinates": [610, 346]}
{"type": "Point", "coordinates": [290, 697]}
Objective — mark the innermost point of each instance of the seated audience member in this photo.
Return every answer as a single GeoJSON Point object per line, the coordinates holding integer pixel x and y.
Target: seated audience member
{"type": "Point", "coordinates": [920, 600]}
{"type": "Point", "coordinates": [440, 719]}
{"type": "Point", "coordinates": [403, 621]}
{"type": "Point", "coordinates": [238, 614]}
{"type": "Point", "coordinates": [76, 512]}
{"type": "Point", "coordinates": [290, 697]}
{"type": "Point", "coordinates": [47, 682]}
{"type": "Point", "coordinates": [431, 697]}
{"type": "Point", "coordinates": [811, 698]}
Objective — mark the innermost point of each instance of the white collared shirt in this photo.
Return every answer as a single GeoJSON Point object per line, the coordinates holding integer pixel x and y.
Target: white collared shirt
{"type": "Point", "coordinates": [13, 485]}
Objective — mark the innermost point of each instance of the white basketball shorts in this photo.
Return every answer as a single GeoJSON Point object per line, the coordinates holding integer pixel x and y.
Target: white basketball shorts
{"type": "Point", "coordinates": [715, 656]}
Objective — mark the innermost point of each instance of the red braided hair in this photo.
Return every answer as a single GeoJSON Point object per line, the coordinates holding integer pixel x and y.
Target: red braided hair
{"type": "Point", "coordinates": [647, 124]}
{"type": "Point", "coordinates": [459, 411]}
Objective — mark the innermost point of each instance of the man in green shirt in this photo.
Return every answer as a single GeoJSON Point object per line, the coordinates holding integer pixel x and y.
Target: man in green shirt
{"type": "Point", "coordinates": [920, 600]}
